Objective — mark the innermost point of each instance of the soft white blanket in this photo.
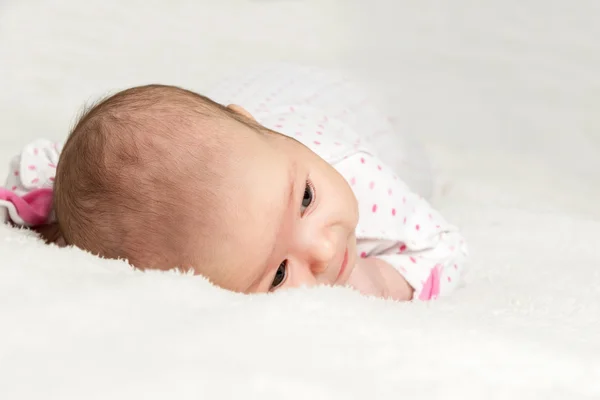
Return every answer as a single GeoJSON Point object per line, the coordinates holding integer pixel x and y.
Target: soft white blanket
{"type": "Point", "coordinates": [505, 94]}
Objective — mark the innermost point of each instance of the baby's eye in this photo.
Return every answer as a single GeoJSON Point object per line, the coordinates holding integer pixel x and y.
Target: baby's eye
{"type": "Point", "coordinates": [308, 196]}
{"type": "Point", "coordinates": [280, 275]}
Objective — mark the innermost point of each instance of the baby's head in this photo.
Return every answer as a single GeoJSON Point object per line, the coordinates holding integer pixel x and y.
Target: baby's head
{"type": "Point", "coordinates": [166, 178]}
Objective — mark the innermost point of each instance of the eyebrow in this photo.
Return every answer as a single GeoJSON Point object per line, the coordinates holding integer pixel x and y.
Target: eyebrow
{"type": "Point", "coordinates": [289, 202]}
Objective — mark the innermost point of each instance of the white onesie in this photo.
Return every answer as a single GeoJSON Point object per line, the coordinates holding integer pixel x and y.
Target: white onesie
{"type": "Point", "coordinates": [333, 117]}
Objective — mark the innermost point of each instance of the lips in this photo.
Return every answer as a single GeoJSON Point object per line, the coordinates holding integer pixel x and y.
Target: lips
{"type": "Point", "coordinates": [344, 264]}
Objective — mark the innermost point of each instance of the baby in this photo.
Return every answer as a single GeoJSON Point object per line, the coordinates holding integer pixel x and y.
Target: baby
{"type": "Point", "coordinates": [282, 188]}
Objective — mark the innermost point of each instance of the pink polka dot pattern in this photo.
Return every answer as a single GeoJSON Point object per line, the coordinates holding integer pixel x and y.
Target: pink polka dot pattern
{"type": "Point", "coordinates": [32, 173]}
{"type": "Point", "coordinates": [389, 211]}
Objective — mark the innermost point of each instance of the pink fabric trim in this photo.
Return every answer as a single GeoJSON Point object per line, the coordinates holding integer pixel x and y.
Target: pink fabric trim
{"type": "Point", "coordinates": [431, 288]}
{"type": "Point", "coordinates": [34, 207]}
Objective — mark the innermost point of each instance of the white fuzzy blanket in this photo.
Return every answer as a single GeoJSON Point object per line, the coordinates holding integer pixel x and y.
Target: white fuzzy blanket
{"type": "Point", "coordinates": [504, 94]}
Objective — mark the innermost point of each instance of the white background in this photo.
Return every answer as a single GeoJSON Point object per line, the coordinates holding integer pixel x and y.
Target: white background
{"type": "Point", "coordinates": [505, 95]}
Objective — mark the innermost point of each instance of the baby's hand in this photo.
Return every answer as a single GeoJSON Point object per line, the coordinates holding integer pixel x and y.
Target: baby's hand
{"type": "Point", "coordinates": [375, 277]}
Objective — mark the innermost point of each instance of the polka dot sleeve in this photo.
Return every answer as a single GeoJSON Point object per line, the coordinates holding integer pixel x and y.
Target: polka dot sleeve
{"type": "Point", "coordinates": [403, 229]}
{"type": "Point", "coordinates": [433, 271]}
{"type": "Point", "coordinates": [26, 198]}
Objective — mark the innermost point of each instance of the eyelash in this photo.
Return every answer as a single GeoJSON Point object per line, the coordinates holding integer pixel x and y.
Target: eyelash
{"type": "Point", "coordinates": [284, 263]}
{"type": "Point", "coordinates": [310, 185]}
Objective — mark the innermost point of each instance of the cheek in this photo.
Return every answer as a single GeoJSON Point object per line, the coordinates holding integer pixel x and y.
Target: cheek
{"type": "Point", "coordinates": [341, 190]}
{"type": "Point", "coordinates": [348, 196]}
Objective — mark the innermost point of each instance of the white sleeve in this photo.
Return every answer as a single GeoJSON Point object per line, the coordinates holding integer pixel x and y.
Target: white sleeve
{"type": "Point", "coordinates": [403, 229]}
{"type": "Point", "coordinates": [25, 198]}
{"type": "Point", "coordinates": [432, 256]}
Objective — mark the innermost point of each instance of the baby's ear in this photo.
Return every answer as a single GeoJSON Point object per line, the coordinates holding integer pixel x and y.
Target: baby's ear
{"type": "Point", "coordinates": [241, 111]}
{"type": "Point", "coordinates": [50, 233]}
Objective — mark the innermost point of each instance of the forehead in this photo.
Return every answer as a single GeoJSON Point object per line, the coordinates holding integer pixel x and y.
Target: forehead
{"type": "Point", "coordinates": [257, 197]}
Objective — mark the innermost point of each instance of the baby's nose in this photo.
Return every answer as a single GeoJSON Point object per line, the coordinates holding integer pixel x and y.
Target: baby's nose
{"type": "Point", "coordinates": [323, 253]}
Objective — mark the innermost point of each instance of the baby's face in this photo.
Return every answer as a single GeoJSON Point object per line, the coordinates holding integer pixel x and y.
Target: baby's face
{"type": "Point", "coordinates": [293, 223]}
